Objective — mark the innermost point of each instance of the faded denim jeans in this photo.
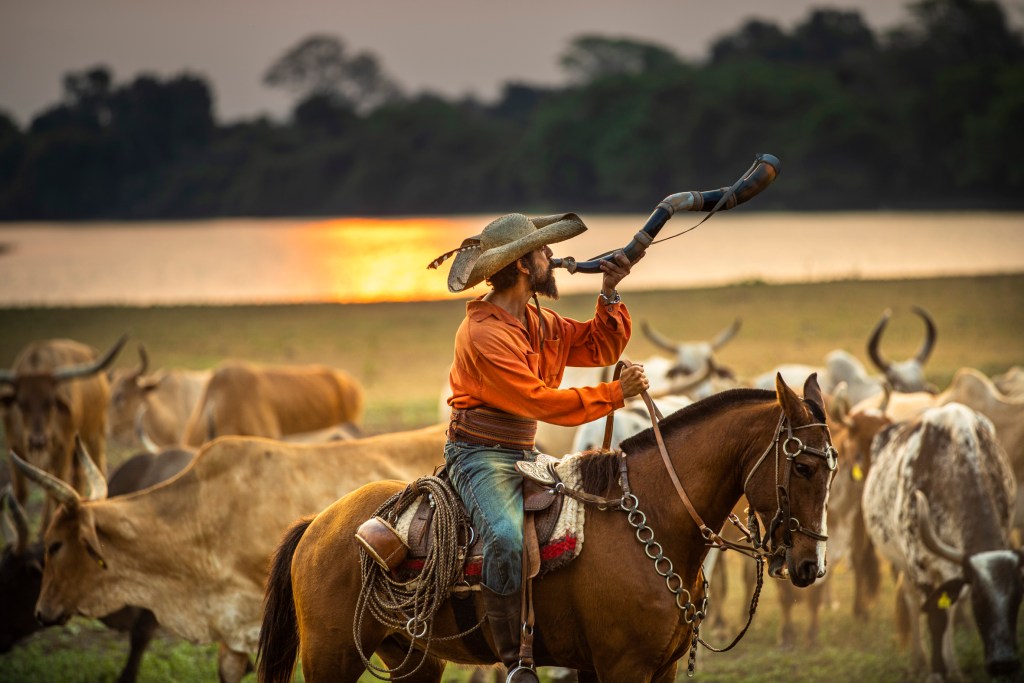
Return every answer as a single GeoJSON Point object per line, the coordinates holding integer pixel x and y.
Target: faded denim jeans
{"type": "Point", "coordinates": [491, 489]}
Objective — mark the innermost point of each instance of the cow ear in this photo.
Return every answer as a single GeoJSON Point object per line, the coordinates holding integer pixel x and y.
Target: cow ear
{"type": "Point", "coordinates": [944, 596]}
{"type": "Point", "coordinates": [149, 384]}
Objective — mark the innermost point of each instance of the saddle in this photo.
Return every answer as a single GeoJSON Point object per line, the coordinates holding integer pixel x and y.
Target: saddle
{"type": "Point", "coordinates": [550, 527]}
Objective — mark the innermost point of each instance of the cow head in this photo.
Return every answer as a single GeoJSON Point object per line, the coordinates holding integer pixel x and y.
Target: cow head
{"type": "Point", "coordinates": [41, 408]}
{"type": "Point", "coordinates": [996, 578]}
{"type": "Point", "coordinates": [792, 487]}
{"type": "Point", "coordinates": [128, 390]}
{"type": "Point", "coordinates": [694, 359]}
{"type": "Point", "coordinates": [21, 574]}
{"type": "Point", "coordinates": [73, 547]}
{"type": "Point", "coordinates": [906, 376]}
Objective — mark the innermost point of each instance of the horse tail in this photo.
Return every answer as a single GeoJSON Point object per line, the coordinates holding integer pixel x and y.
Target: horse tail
{"type": "Point", "coordinates": [279, 634]}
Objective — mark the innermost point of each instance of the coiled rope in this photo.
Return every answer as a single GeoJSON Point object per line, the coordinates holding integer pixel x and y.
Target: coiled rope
{"type": "Point", "coordinates": [410, 606]}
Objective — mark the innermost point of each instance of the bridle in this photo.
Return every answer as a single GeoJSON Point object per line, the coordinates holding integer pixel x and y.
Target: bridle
{"type": "Point", "coordinates": [791, 447]}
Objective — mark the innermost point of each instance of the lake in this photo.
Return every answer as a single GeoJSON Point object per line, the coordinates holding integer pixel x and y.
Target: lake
{"type": "Point", "coordinates": [362, 260]}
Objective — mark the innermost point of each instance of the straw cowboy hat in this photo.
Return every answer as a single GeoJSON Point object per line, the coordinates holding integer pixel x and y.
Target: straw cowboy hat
{"type": "Point", "coordinates": [503, 241]}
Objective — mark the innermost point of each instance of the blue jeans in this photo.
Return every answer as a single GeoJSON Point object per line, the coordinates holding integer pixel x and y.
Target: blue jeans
{"type": "Point", "coordinates": [492, 491]}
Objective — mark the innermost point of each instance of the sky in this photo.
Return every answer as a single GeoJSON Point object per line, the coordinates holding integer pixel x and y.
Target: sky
{"type": "Point", "coordinates": [449, 47]}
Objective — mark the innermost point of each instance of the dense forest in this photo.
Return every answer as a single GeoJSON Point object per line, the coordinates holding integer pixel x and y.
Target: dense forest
{"type": "Point", "coordinates": [924, 115]}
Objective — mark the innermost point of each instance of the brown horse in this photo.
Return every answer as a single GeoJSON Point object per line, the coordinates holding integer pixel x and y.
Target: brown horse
{"type": "Point", "coordinates": [609, 614]}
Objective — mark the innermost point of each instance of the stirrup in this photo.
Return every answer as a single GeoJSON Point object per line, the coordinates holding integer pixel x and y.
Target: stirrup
{"type": "Point", "coordinates": [525, 670]}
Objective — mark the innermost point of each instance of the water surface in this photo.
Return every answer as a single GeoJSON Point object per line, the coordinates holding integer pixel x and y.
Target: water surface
{"type": "Point", "coordinates": [359, 260]}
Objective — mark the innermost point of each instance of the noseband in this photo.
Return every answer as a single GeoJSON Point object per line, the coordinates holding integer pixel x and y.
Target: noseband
{"type": "Point", "coordinates": [791, 447]}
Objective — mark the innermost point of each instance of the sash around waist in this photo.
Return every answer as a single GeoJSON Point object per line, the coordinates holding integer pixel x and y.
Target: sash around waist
{"type": "Point", "coordinates": [490, 427]}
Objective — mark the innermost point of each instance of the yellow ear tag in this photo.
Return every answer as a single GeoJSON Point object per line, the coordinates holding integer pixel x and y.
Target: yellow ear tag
{"type": "Point", "coordinates": [944, 602]}
{"type": "Point", "coordinates": [858, 473]}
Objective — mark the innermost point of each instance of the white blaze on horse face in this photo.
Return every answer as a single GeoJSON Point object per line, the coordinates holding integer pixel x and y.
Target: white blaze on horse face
{"type": "Point", "coordinates": [824, 527]}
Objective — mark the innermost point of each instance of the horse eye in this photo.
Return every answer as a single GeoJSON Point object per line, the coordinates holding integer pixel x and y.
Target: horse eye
{"type": "Point", "coordinates": [803, 470]}
{"type": "Point", "coordinates": [54, 547]}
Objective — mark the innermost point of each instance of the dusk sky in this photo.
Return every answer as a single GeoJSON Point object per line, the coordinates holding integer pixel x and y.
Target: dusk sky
{"type": "Point", "coordinates": [451, 47]}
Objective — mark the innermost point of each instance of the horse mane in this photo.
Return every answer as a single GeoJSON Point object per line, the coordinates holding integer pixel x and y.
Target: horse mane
{"type": "Point", "coordinates": [599, 470]}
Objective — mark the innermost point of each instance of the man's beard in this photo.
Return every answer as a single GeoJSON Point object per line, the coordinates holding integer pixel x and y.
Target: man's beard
{"type": "Point", "coordinates": [543, 282]}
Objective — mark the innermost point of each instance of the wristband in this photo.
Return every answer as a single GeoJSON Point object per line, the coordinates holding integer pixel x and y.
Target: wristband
{"type": "Point", "coordinates": [616, 299]}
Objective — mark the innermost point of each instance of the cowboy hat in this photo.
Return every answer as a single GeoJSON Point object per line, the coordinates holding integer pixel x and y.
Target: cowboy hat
{"type": "Point", "coordinates": [504, 240]}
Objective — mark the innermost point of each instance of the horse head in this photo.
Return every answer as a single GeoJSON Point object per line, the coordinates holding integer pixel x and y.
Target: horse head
{"type": "Point", "coordinates": [789, 483]}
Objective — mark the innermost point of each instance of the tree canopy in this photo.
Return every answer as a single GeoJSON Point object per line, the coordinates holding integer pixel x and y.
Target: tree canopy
{"type": "Point", "coordinates": [922, 115]}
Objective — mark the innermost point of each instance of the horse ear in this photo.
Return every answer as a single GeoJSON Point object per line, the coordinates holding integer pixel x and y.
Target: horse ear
{"type": "Point", "coordinates": [812, 392]}
{"type": "Point", "coordinates": [790, 402]}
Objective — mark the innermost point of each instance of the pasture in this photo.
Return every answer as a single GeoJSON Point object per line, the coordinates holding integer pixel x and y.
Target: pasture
{"type": "Point", "coordinates": [401, 352]}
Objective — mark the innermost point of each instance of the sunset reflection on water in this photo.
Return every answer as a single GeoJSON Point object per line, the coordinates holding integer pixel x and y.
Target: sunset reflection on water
{"type": "Point", "coordinates": [362, 260]}
{"type": "Point", "coordinates": [355, 260]}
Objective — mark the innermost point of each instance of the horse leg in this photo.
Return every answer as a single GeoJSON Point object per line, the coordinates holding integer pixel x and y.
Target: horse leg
{"type": "Point", "coordinates": [231, 665]}
{"type": "Point", "coordinates": [393, 652]}
{"type": "Point", "coordinates": [142, 632]}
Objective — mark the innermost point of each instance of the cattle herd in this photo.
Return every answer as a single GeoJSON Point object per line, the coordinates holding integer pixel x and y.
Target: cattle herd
{"type": "Point", "coordinates": [181, 534]}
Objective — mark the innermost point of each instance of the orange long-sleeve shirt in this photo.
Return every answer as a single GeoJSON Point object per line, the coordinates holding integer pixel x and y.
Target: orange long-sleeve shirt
{"type": "Point", "coordinates": [499, 364]}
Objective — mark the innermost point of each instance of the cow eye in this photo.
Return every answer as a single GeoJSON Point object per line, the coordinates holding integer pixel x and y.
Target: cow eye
{"type": "Point", "coordinates": [803, 470]}
{"type": "Point", "coordinates": [54, 547]}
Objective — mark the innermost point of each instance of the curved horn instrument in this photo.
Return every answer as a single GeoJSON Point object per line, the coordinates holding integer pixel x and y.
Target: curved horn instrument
{"type": "Point", "coordinates": [55, 488]}
{"type": "Point", "coordinates": [929, 340]}
{"type": "Point", "coordinates": [763, 171]}
{"type": "Point", "coordinates": [928, 535]}
{"type": "Point", "coordinates": [86, 369]}
{"type": "Point", "coordinates": [94, 478]}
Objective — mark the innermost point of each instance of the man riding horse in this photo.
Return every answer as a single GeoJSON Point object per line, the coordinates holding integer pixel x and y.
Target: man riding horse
{"type": "Point", "coordinates": [509, 361]}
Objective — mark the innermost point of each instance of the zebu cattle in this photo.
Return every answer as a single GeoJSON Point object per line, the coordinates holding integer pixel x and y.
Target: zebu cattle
{"type": "Point", "coordinates": [152, 410]}
{"type": "Point", "coordinates": [693, 370]}
{"type": "Point", "coordinates": [195, 550]}
{"type": "Point", "coordinates": [273, 401]}
{"type": "Point", "coordinates": [631, 419]}
{"type": "Point", "coordinates": [840, 366]}
{"type": "Point", "coordinates": [21, 569]}
{"type": "Point", "coordinates": [54, 390]}
{"type": "Point", "coordinates": [908, 375]}
{"type": "Point", "coordinates": [938, 503]}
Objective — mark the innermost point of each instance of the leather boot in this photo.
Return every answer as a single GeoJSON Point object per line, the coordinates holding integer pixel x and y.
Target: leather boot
{"type": "Point", "coordinates": [503, 617]}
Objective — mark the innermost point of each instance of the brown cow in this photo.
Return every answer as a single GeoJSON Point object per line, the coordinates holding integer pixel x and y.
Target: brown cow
{"type": "Point", "coordinates": [273, 401]}
{"type": "Point", "coordinates": [195, 550]}
{"type": "Point", "coordinates": [54, 390]}
{"type": "Point", "coordinates": [152, 410]}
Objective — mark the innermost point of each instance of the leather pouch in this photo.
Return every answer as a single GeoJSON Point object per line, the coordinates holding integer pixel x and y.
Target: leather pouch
{"type": "Point", "coordinates": [383, 543]}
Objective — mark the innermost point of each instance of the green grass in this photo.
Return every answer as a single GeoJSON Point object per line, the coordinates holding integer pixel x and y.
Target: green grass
{"type": "Point", "coordinates": [401, 353]}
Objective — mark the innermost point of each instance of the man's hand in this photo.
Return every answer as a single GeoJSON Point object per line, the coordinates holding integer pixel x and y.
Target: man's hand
{"type": "Point", "coordinates": [615, 269]}
{"type": "Point", "coordinates": [633, 380]}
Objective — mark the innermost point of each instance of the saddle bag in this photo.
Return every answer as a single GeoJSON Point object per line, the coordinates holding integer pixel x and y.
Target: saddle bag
{"type": "Point", "coordinates": [382, 542]}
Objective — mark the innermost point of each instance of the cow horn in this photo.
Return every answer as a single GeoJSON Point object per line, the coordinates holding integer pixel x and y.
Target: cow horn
{"type": "Point", "coordinates": [726, 334]}
{"type": "Point", "coordinates": [144, 365]}
{"type": "Point", "coordinates": [886, 395]}
{"type": "Point", "coordinates": [15, 521]}
{"type": "Point", "coordinates": [140, 430]}
{"type": "Point", "coordinates": [690, 381]}
{"type": "Point", "coordinates": [929, 341]}
{"type": "Point", "coordinates": [658, 340]}
{"type": "Point", "coordinates": [840, 404]}
{"type": "Point", "coordinates": [928, 535]}
{"type": "Point", "coordinates": [876, 337]}
{"type": "Point", "coordinates": [58, 490]}
{"type": "Point", "coordinates": [86, 369]}
{"type": "Point", "coordinates": [93, 477]}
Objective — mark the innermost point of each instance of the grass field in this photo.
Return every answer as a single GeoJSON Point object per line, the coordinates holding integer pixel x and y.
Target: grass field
{"type": "Point", "coordinates": [401, 352]}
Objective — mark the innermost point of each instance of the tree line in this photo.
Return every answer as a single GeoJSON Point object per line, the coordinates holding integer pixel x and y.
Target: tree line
{"type": "Point", "coordinates": [923, 115]}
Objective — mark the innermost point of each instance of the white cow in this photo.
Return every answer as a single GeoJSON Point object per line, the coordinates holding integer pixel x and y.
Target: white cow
{"type": "Point", "coordinates": [938, 503]}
